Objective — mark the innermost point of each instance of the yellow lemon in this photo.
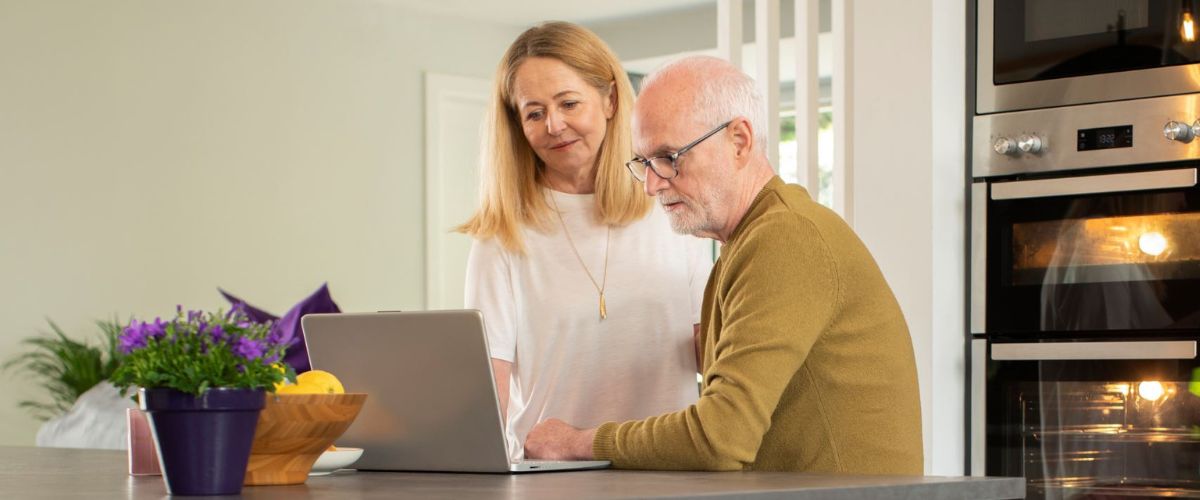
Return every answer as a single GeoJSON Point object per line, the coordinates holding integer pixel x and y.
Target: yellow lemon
{"type": "Point", "coordinates": [296, 389]}
{"type": "Point", "coordinates": [321, 381]}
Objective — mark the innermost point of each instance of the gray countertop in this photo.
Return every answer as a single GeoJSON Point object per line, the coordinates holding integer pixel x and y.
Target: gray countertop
{"type": "Point", "coordinates": [64, 473]}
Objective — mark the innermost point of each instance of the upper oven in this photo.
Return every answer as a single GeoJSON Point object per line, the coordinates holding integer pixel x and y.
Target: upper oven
{"type": "Point", "coordinates": [1086, 221]}
{"type": "Point", "coordinates": [1113, 254]}
{"type": "Point", "coordinates": [1047, 53]}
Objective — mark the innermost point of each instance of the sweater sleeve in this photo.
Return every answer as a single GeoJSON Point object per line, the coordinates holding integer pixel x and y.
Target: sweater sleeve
{"type": "Point", "coordinates": [776, 294]}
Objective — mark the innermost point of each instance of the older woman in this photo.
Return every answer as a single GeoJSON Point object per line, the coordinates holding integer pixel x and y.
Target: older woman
{"type": "Point", "coordinates": [589, 298]}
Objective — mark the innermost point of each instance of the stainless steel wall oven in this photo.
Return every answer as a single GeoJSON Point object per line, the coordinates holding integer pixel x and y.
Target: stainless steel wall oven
{"type": "Point", "coordinates": [1047, 53]}
{"type": "Point", "coordinates": [1085, 302]}
{"type": "Point", "coordinates": [1085, 248]}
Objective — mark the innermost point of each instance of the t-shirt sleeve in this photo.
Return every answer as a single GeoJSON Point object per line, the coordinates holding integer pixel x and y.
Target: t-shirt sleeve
{"type": "Point", "coordinates": [489, 289]}
{"type": "Point", "coordinates": [700, 262]}
{"type": "Point", "coordinates": [764, 340]}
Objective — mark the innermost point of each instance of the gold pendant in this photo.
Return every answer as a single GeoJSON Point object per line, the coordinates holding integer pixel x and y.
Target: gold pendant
{"type": "Point", "coordinates": [603, 310]}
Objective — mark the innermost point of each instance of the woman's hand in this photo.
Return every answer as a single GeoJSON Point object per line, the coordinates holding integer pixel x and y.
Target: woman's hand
{"type": "Point", "coordinates": [556, 440]}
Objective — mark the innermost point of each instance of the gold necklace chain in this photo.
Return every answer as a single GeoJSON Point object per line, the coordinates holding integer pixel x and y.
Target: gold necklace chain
{"type": "Point", "coordinates": [607, 239]}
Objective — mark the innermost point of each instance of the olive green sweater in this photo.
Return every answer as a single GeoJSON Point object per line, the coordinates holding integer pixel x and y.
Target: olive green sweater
{"type": "Point", "coordinates": [807, 362]}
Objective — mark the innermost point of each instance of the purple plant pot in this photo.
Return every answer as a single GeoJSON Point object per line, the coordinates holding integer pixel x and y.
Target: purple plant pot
{"type": "Point", "coordinates": [203, 441]}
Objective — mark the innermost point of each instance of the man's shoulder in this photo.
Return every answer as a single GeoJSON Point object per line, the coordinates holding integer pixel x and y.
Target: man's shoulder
{"type": "Point", "coordinates": [793, 195]}
{"type": "Point", "coordinates": [789, 205]}
{"type": "Point", "coordinates": [780, 229]}
{"type": "Point", "coordinates": [789, 221]}
{"type": "Point", "coordinates": [785, 208]}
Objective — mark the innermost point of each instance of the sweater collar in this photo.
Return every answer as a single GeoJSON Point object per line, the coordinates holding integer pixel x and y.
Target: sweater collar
{"type": "Point", "coordinates": [756, 208]}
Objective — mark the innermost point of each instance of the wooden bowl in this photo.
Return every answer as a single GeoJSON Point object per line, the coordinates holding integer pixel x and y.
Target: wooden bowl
{"type": "Point", "coordinates": [293, 430]}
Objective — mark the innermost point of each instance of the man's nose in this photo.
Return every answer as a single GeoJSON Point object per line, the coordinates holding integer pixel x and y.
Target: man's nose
{"type": "Point", "coordinates": [654, 183]}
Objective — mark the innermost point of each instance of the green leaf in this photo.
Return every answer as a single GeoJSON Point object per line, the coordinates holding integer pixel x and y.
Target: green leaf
{"type": "Point", "coordinates": [63, 367]}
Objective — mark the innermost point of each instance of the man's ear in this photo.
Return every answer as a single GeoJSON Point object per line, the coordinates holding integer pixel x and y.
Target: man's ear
{"type": "Point", "coordinates": [742, 134]}
{"type": "Point", "coordinates": [610, 104]}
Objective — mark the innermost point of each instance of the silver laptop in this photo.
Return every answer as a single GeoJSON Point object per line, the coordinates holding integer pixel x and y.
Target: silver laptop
{"type": "Point", "coordinates": [431, 403]}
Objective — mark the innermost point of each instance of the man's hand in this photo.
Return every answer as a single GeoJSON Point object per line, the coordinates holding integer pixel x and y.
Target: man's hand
{"type": "Point", "coordinates": [555, 440]}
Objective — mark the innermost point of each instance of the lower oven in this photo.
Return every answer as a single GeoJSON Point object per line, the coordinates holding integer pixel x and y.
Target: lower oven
{"type": "Point", "coordinates": [1092, 419]}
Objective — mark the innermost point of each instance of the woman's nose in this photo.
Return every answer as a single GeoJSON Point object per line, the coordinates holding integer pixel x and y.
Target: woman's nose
{"type": "Point", "coordinates": [554, 123]}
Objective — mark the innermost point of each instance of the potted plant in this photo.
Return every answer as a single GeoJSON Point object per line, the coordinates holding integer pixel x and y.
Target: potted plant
{"type": "Point", "coordinates": [64, 367]}
{"type": "Point", "coordinates": [203, 379]}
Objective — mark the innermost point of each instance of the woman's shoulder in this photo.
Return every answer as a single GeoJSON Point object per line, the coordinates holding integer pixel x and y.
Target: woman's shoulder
{"type": "Point", "coordinates": [489, 249]}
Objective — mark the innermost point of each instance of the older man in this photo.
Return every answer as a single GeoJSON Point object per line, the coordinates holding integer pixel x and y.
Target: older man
{"type": "Point", "coordinates": [807, 362]}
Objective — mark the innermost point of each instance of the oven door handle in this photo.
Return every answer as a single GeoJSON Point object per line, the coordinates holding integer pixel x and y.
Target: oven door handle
{"type": "Point", "coordinates": [1052, 351]}
{"type": "Point", "coordinates": [1094, 184]}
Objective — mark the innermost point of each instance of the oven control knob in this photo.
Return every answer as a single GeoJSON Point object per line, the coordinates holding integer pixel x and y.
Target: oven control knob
{"type": "Point", "coordinates": [1004, 146]}
{"type": "Point", "coordinates": [1177, 131]}
{"type": "Point", "coordinates": [1030, 143]}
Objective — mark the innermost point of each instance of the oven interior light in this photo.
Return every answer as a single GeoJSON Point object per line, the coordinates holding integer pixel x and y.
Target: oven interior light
{"type": "Point", "coordinates": [1151, 390]}
{"type": "Point", "coordinates": [1152, 243]}
{"type": "Point", "coordinates": [1188, 27]}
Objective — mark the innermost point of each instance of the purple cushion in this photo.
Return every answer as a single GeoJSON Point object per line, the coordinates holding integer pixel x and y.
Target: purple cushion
{"type": "Point", "coordinates": [287, 328]}
{"type": "Point", "coordinates": [256, 315]}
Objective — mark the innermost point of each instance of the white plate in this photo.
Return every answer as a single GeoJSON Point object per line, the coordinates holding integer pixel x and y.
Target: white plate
{"type": "Point", "coordinates": [335, 459]}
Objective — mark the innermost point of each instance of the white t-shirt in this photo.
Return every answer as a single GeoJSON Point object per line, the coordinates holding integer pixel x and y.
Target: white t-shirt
{"type": "Point", "coordinates": [542, 313]}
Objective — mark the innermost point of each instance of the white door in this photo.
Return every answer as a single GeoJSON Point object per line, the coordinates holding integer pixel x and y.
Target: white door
{"type": "Point", "coordinates": [454, 113]}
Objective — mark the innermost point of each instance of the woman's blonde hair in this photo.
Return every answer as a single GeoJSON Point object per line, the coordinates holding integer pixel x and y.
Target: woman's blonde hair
{"type": "Point", "coordinates": [510, 187]}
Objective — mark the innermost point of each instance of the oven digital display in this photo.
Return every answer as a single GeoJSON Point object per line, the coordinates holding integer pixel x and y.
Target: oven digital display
{"type": "Point", "coordinates": [1120, 136]}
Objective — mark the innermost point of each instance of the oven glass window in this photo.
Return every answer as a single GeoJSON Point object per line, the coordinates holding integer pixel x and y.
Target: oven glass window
{"type": "Point", "coordinates": [1056, 19]}
{"type": "Point", "coordinates": [1105, 264]}
{"type": "Point", "coordinates": [1072, 436]}
{"type": "Point", "coordinates": [1047, 39]}
{"type": "Point", "coordinates": [1139, 248]}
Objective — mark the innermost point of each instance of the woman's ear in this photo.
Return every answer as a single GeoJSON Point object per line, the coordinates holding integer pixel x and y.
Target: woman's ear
{"type": "Point", "coordinates": [610, 104]}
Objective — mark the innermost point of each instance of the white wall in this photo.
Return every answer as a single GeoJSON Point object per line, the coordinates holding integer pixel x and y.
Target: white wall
{"type": "Point", "coordinates": [151, 151]}
{"type": "Point", "coordinates": [909, 180]}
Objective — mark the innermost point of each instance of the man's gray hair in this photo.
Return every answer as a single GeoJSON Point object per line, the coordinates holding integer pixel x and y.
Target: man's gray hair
{"type": "Point", "coordinates": [723, 93]}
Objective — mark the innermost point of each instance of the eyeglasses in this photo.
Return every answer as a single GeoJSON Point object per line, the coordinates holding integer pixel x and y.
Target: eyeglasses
{"type": "Point", "coordinates": [665, 167]}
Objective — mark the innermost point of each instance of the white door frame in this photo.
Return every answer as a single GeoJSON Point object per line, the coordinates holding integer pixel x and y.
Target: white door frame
{"type": "Point", "coordinates": [442, 90]}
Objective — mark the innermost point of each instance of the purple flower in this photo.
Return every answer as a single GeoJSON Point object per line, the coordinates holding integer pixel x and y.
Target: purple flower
{"type": "Point", "coordinates": [270, 360]}
{"type": "Point", "coordinates": [217, 333]}
{"type": "Point", "coordinates": [248, 348]}
{"type": "Point", "coordinates": [155, 330]}
{"type": "Point", "coordinates": [135, 336]}
{"type": "Point", "coordinates": [193, 316]}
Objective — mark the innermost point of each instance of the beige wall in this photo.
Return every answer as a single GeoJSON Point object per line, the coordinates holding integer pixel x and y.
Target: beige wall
{"type": "Point", "coordinates": [151, 151]}
{"type": "Point", "coordinates": [909, 183]}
